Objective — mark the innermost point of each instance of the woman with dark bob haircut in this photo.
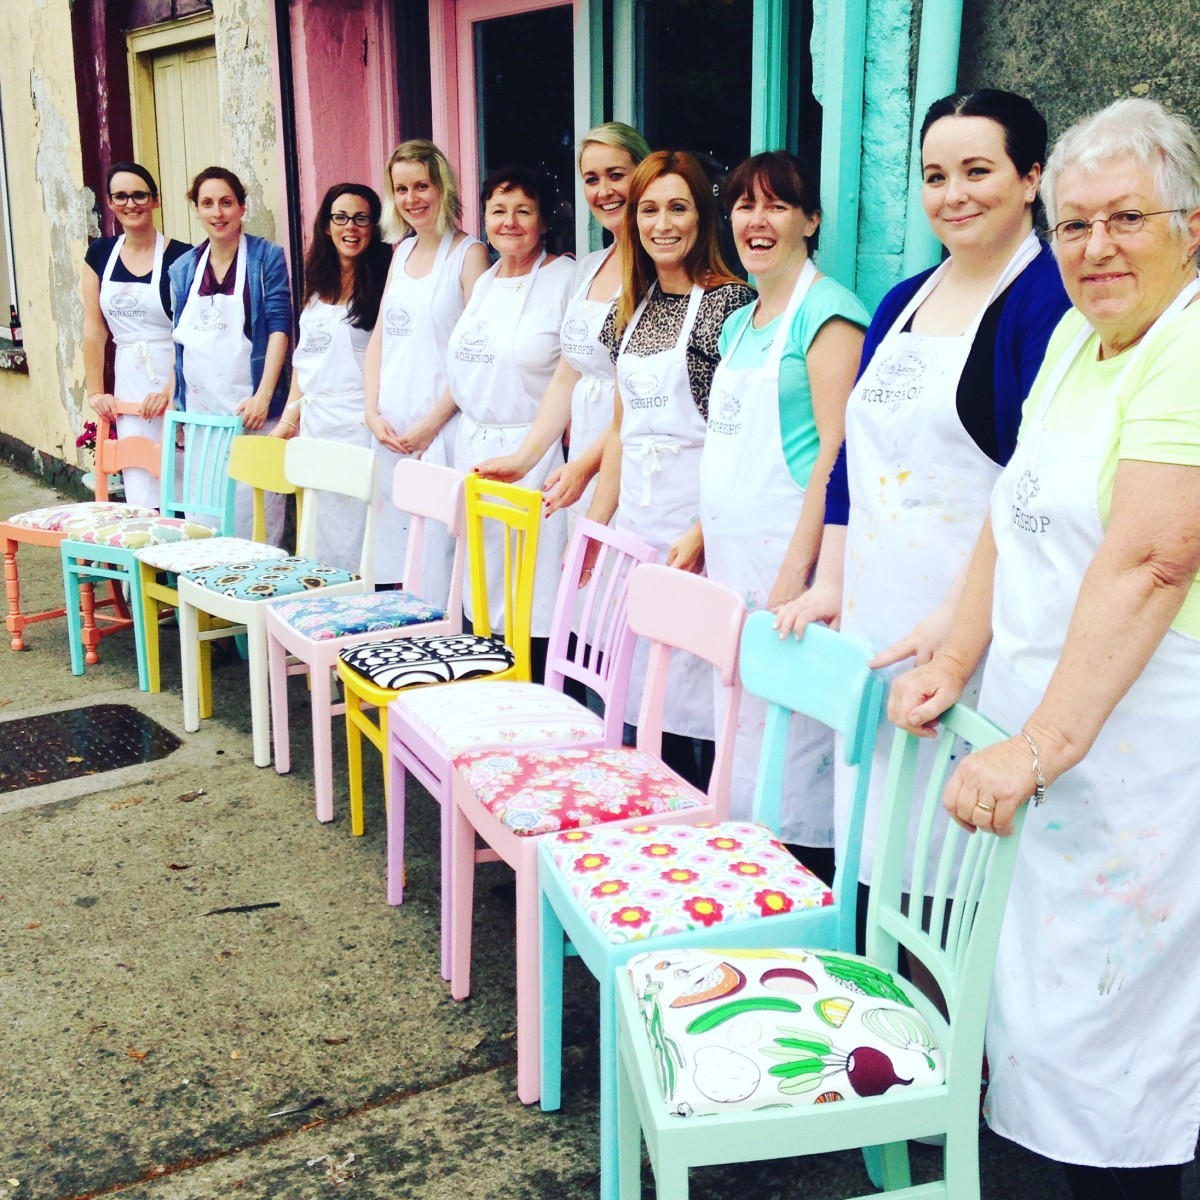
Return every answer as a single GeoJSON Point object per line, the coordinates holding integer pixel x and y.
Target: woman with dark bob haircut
{"type": "Point", "coordinates": [663, 335]}
{"type": "Point", "coordinates": [344, 274]}
{"type": "Point", "coordinates": [948, 361]}
{"type": "Point", "coordinates": [127, 296]}
{"type": "Point", "coordinates": [233, 321]}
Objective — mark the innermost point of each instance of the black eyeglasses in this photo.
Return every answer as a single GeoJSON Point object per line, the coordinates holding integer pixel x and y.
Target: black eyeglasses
{"type": "Point", "coordinates": [130, 197]}
{"type": "Point", "coordinates": [1119, 224]}
{"type": "Point", "coordinates": [362, 220]}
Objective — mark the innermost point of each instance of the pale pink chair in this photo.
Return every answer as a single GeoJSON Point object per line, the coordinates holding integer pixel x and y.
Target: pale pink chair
{"type": "Point", "coordinates": [429, 726]}
{"type": "Point", "coordinates": [511, 798]}
{"type": "Point", "coordinates": [304, 636]}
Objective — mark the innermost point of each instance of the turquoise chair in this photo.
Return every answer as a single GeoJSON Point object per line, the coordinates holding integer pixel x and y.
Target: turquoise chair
{"type": "Point", "coordinates": [822, 1027]}
{"type": "Point", "coordinates": [824, 675]}
{"type": "Point", "coordinates": [110, 551]}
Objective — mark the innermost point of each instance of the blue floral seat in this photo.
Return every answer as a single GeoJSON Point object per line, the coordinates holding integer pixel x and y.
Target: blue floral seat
{"type": "Point", "coordinates": [266, 580]}
{"type": "Point", "coordinates": [325, 618]}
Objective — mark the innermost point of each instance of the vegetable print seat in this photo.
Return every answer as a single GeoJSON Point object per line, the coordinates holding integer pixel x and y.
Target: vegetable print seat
{"type": "Point", "coordinates": [747, 1030]}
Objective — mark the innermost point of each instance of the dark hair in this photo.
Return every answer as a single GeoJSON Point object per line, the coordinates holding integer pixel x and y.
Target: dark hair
{"type": "Point", "coordinates": [785, 176]}
{"type": "Point", "coordinates": [323, 267]}
{"type": "Point", "coordinates": [1024, 127]}
{"type": "Point", "coordinates": [534, 183]}
{"type": "Point", "coordinates": [133, 169]}
{"type": "Point", "coordinates": [225, 176]}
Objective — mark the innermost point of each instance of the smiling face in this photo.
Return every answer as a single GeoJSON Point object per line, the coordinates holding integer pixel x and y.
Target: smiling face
{"type": "Point", "coordinates": [1123, 284]}
{"type": "Point", "coordinates": [133, 217]}
{"type": "Point", "coordinates": [976, 202]}
{"type": "Point", "coordinates": [771, 235]}
{"type": "Point", "coordinates": [668, 222]}
{"type": "Point", "coordinates": [606, 172]}
{"type": "Point", "coordinates": [349, 239]}
{"type": "Point", "coordinates": [514, 225]}
{"type": "Point", "coordinates": [417, 200]}
{"type": "Point", "coordinates": [220, 210]}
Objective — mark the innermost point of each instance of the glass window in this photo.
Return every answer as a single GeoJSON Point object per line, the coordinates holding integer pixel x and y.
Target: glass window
{"type": "Point", "coordinates": [412, 63]}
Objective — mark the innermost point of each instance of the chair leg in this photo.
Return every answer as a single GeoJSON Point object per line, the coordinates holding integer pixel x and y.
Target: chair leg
{"type": "Point", "coordinates": [203, 662]}
{"type": "Point", "coordinates": [189, 663]}
{"type": "Point", "coordinates": [86, 594]}
{"type": "Point", "coordinates": [529, 1038]}
{"type": "Point", "coordinates": [609, 1169]}
{"type": "Point", "coordinates": [354, 758]}
{"type": "Point", "coordinates": [395, 828]}
{"type": "Point", "coordinates": [961, 1162]}
{"type": "Point", "coordinates": [320, 687]}
{"type": "Point", "coordinates": [151, 640]}
{"type": "Point", "coordinates": [446, 822]}
{"type": "Point", "coordinates": [550, 960]}
{"type": "Point", "coordinates": [462, 900]}
{"type": "Point", "coordinates": [137, 613]}
{"type": "Point", "coordinates": [71, 590]}
{"type": "Point", "coordinates": [15, 621]}
{"type": "Point", "coordinates": [260, 709]}
{"type": "Point", "coordinates": [277, 681]}
{"type": "Point", "coordinates": [628, 1150]}
{"type": "Point", "coordinates": [893, 1163]}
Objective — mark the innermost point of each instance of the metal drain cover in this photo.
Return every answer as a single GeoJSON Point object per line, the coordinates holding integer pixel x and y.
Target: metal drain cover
{"type": "Point", "coordinates": [78, 742]}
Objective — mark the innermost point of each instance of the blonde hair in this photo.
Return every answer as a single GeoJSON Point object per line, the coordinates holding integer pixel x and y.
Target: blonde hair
{"type": "Point", "coordinates": [618, 136]}
{"type": "Point", "coordinates": [441, 174]}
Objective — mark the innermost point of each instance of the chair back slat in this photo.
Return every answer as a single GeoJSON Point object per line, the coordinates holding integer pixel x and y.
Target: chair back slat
{"type": "Point", "coordinates": [120, 453]}
{"type": "Point", "coordinates": [206, 488]}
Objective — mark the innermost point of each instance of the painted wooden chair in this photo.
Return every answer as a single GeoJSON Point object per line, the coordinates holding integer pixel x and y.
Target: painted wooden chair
{"type": "Point", "coordinates": [239, 592]}
{"type": "Point", "coordinates": [711, 884]}
{"type": "Point", "coordinates": [373, 673]}
{"type": "Point", "coordinates": [514, 799]}
{"type": "Point", "coordinates": [429, 727]}
{"type": "Point", "coordinates": [203, 493]}
{"type": "Point", "coordinates": [746, 1055]}
{"type": "Point", "coordinates": [256, 462]}
{"type": "Point", "coordinates": [51, 526]}
{"type": "Point", "coordinates": [305, 635]}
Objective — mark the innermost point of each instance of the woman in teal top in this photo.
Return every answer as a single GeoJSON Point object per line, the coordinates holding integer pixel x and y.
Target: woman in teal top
{"type": "Point", "coordinates": [775, 424]}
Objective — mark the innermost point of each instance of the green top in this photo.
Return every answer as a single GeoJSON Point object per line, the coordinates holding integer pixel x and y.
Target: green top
{"type": "Point", "coordinates": [1157, 420]}
{"type": "Point", "coordinates": [827, 300]}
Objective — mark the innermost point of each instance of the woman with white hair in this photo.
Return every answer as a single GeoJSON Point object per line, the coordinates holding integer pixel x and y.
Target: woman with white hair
{"type": "Point", "coordinates": [1084, 583]}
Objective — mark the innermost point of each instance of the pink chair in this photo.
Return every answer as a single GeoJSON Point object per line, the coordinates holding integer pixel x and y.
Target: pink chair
{"type": "Point", "coordinates": [313, 630]}
{"type": "Point", "coordinates": [429, 726]}
{"type": "Point", "coordinates": [512, 798]}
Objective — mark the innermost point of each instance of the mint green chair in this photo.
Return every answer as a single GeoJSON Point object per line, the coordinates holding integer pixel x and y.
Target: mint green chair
{"type": "Point", "coordinates": [739, 1057]}
{"type": "Point", "coordinates": [728, 884]}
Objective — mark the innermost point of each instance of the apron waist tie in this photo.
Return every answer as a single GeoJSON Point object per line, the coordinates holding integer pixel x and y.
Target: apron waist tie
{"type": "Point", "coordinates": [652, 450]}
{"type": "Point", "coordinates": [143, 349]}
{"type": "Point", "coordinates": [497, 424]}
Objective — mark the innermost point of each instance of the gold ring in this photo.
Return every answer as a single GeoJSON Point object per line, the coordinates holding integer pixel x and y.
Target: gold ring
{"type": "Point", "coordinates": [985, 807]}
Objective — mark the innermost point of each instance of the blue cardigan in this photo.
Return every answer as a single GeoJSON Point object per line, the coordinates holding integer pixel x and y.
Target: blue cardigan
{"type": "Point", "coordinates": [1032, 309]}
{"type": "Point", "coordinates": [270, 309]}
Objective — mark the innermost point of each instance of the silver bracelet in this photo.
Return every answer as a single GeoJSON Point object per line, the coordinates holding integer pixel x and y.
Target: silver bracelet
{"type": "Point", "coordinates": [1039, 780]}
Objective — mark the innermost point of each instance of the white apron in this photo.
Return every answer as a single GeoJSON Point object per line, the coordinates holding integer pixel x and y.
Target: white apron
{"type": "Point", "coordinates": [216, 374]}
{"type": "Point", "coordinates": [144, 360]}
{"type": "Point", "coordinates": [919, 490]}
{"type": "Point", "coordinates": [412, 379]}
{"type": "Point", "coordinates": [662, 435]}
{"type": "Point", "coordinates": [497, 413]}
{"type": "Point", "coordinates": [328, 365]}
{"type": "Point", "coordinates": [1094, 1025]}
{"type": "Point", "coordinates": [749, 507]}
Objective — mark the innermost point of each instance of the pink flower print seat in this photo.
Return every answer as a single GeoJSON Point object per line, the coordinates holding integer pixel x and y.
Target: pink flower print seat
{"type": "Point", "coordinates": [501, 715]}
{"type": "Point", "coordinates": [181, 557]}
{"type": "Point", "coordinates": [646, 881]}
{"type": "Point", "coordinates": [439, 658]}
{"type": "Point", "coordinates": [135, 533]}
{"type": "Point", "coordinates": [323, 618]}
{"type": "Point", "coordinates": [543, 791]}
{"type": "Point", "coordinates": [731, 1030]}
{"type": "Point", "coordinates": [74, 519]}
{"type": "Point", "coordinates": [247, 580]}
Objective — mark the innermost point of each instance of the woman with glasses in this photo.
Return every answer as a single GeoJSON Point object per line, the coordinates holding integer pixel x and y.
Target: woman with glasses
{"type": "Point", "coordinates": [127, 296]}
{"type": "Point", "coordinates": [1084, 582]}
{"type": "Point", "coordinates": [948, 361]}
{"type": "Point", "coordinates": [344, 274]}
{"type": "Point", "coordinates": [233, 322]}
{"type": "Point", "coordinates": [433, 271]}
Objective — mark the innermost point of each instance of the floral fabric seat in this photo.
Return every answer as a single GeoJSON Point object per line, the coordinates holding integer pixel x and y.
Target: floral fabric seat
{"type": "Point", "coordinates": [73, 519]}
{"type": "Point", "coordinates": [544, 791]}
{"type": "Point", "coordinates": [250, 580]}
{"type": "Point", "coordinates": [135, 533]}
{"type": "Point", "coordinates": [646, 881]}
{"type": "Point", "coordinates": [325, 618]}
{"type": "Point", "coordinates": [505, 714]}
{"type": "Point", "coordinates": [731, 1030]}
{"type": "Point", "coordinates": [440, 658]}
{"type": "Point", "coordinates": [180, 557]}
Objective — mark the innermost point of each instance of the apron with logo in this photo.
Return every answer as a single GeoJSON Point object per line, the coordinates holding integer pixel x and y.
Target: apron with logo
{"type": "Point", "coordinates": [144, 359]}
{"type": "Point", "coordinates": [749, 507]}
{"type": "Point", "coordinates": [1094, 1024]}
{"type": "Point", "coordinates": [662, 436]}
{"type": "Point", "coordinates": [412, 379]}
{"type": "Point", "coordinates": [919, 490]}
{"type": "Point", "coordinates": [497, 413]}
{"type": "Point", "coordinates": [328, 364]}
{"type": "Point", "coordinates": [216, 373]}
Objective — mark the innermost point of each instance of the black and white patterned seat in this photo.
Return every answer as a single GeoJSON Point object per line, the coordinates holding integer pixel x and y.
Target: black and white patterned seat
{"type": "Point", "coordinates": [406, 662]}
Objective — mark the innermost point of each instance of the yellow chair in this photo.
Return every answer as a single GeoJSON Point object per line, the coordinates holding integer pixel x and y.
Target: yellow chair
{"type": "Point", "coordinates": [372, 673]}
{"type": "Point", "coordinates": [258, 463]}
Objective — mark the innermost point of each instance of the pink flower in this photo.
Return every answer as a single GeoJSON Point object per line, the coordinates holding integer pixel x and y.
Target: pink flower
{"type": "Point", "coordinates": [631, 917]}
{"type": "Point", "coordinates": [705, 910]}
